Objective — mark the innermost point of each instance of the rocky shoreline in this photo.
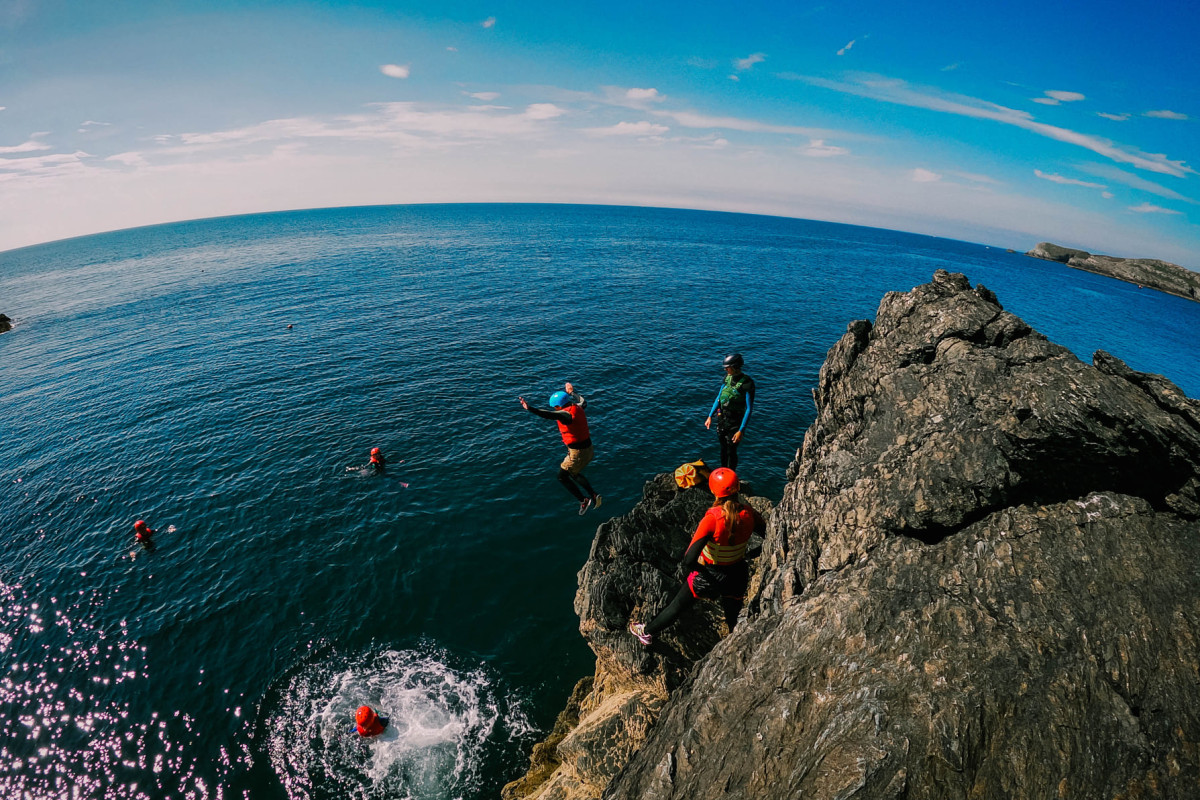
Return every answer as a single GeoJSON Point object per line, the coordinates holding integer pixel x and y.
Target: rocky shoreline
{"type": "Point", "coordinates": [1145, 272]}
{"type": "Point", "coordinates": [981, 581]}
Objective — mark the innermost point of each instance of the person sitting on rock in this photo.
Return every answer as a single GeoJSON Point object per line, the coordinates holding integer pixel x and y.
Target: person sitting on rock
{"type": "Point", "coordinates": [568, 411]}
{"type": "Point", "coordinates": [715, 561]}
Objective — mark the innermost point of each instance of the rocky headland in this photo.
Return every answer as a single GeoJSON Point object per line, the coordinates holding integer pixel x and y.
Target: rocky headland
{"type": "Point", "coordinates": [982, 581]}
{"type": "Point", "coordinates": [1146, 272]}
{"type": "Point", "coordinates": [5, 324]}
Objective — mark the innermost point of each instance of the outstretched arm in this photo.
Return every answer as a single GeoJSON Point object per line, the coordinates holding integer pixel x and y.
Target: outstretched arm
{"type": "Point", "coordinates": [558, 416]}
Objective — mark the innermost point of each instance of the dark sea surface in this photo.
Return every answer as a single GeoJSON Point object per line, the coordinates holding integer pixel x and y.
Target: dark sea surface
{"type": "Point", "coordinates": [152, 374]}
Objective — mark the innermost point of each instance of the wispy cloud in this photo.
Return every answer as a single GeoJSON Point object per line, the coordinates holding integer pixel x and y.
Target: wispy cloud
{"type": "Point", "coordinates": [921, 175]}
{"type": "Point", "coordinates": [486, 97]}
{"type": "Point", "coordinates": [395, 70]}
{"type": "Point", "coordinates": [88, 125]}
{"type": "Point", "coordinates": [743, 64]}
{"type": "Point", "coordinates": [847, 47]}
{"type": "Point", "coordinates": [1055, 178]}
{"type": "Point", "coordinates": [1115, 117]}
{"type": "Point", "coordinates": [1055, 97]}
{"type": "Point", "coordinates": [1147, 208]}
{"type": "Point", "coordinates": [692, 119]}
{"type": "Point", "coordinates": [1165, 115]}
{"type": "Point", "coordinates": [543, 111]}
{"type": "Point", "coordinates": [40, 166]}
{"type": "Point", "coordinates": [642, 128]}
{"type": "Point", "coordinates": [490, 22]}
{"type": "Point", "coordinates": [30, 146]}
{"type": "Point", "coordinates": [1111, 173]}
{"type": "Point", "coordinates": [951, 67]}
{"type": "Point", "coordinates": [818, 149]}
{"type": "Point", "coordinates": [891, 90]}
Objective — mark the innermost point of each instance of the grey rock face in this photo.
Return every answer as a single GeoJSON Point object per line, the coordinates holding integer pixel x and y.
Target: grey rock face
{"type": "Point", "coordinates": [983, 581]}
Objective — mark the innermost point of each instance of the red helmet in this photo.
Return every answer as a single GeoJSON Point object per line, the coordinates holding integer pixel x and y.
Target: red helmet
{"type": "Point", "coordinates": [365, 716]}
{"type": "Point", "coordinates": [723, 482]}
{"type": "Point", "coordinates": [374, 451]}
{"type": "Point", "coordinates": [140, 525]}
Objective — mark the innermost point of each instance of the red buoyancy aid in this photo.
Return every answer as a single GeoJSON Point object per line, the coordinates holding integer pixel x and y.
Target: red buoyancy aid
{"type": "Point", "coordinates": [576, 430]}
{"type": "Point", "coordinates": [726, 547]}
{"type": "Point", "coordinates": [373, 726]}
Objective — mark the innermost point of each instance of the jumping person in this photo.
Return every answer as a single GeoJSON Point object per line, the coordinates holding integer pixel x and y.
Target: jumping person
{"type": "Point", "coordinates": [368, 723]}
{"type": "Point", "coordinates": [732, 409]}
{"type": "Point", "coordinates": [568, 411]}
{"type": "Point", "coordinates": [715, 561]}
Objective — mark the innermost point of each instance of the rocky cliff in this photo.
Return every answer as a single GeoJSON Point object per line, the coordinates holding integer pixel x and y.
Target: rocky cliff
{"type": "Point", "coordinates": [1145, 272]}
{"type": "Point", "coordinates": [982, 581]}
{"type": "Point", "coordinates": [5, 324]}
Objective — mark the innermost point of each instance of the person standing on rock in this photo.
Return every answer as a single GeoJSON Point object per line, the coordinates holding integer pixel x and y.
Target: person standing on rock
{"type": "Point", "coordinates": [732, 409]}
{"type": "Point", "coordinates": [715, 561]}
{"type": "Point", "coordinates": [568, 411]}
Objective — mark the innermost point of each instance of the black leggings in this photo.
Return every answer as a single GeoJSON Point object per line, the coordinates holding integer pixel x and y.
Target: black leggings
{"type": "Point", "coordinates": [728, 449]}
{"type": "Point", "coordinates": [568, 480]}
{"type": "Point", "coordinates": [732, 606]}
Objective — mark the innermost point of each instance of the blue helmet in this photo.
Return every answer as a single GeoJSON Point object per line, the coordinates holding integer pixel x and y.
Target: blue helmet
{"type": "Point", "coordinates": [560, 399]}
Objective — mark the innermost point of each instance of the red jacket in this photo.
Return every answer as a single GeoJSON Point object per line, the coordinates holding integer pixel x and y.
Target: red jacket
{"type": "Point", "coordinates": [576, 430]}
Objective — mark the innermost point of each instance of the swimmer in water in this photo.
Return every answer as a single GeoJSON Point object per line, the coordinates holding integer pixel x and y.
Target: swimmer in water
{"type": "Point", "coordinates": [378, 462]}
{"type": "Point", "coordinates": [142, 532]}
{"type": "Point", "coordinates": [368, 723]}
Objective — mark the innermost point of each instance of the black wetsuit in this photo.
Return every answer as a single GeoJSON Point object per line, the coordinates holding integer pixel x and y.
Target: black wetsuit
{"type": "Point", "coordinates": [733, 415]}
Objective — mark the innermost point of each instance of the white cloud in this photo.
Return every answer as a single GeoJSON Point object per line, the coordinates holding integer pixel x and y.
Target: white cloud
{"type": "Point", "coordinates": [818, 149]}
{"type": "Point", "coordinates": [395, 70]}
{"type": "Point", "coordinates": [450, 49]}
{"type": "Point", "coordinates": [1065, 97]}
{"type": "Point", "coordinates": [129, 159]}
{"type": "Point", "coordinates": [1115, 117]}
{"type": "Point", "coordinates": [951, 67]}
{"type": "Point", "coordinates": [891, 90]}
{"type": "Point", "coordinates": [88, 125]}
{"type": "Point", "coordinates": [743, 64]}
{"type": "Point", "coordinates": [543, 111]}
{"type": "Point", "coordinates": [1165, 115]}
{"type": "Point", "coordinates": [734, 78]}
{"type": "Point", "coordinates": [846, 49]}
{"type": "Point", "coordinates": [920, 175]}
{"type": "Point", "coordinates": [486, 97]}
{"type": "Point", "coordinates": [642, 128]}
{"type": "Point", "coordinates": [29, 146]}
{"type": "Point", "coordinates": [1055, 178]}
{"type": "Point", "coordinates": [1146, 208]}
{"type": "Point", "coordinates": [644, 96]}
{"type": "Point", "coordinates": [691, 119]}
{"type": "Point", "coordinates": [1109, 172]}
{"type": "Point", "coordinates": [1107, 195]}
{"type": "Point", "coordinates": [1046, 101]}
{"type": "Point", "coordinates": [490, 22]}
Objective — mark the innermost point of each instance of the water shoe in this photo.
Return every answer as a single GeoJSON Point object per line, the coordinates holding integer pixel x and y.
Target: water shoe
{"type": "Point", "coordinates": [638, 629]}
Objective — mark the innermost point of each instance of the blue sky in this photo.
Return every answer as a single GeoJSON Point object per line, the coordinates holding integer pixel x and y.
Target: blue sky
{"type": "Point", "coordinates": [1005, 124]}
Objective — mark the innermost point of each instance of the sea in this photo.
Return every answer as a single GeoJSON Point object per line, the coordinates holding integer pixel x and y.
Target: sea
{"type": "Point", "coordinates": [225, 380]}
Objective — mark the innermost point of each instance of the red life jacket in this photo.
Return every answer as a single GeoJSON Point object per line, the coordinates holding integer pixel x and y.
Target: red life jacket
{"type": "Point", "coordinates": [728, 546]}
{"type": "Point", "coordinates": [576, 430]}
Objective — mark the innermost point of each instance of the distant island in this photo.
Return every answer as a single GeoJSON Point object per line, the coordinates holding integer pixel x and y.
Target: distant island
{"type": "Point", "coordinates": [1145, 272]}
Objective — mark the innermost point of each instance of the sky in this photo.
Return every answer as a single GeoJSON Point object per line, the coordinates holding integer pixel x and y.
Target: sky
{"type": "Point", "coordinates": [1005, 124]}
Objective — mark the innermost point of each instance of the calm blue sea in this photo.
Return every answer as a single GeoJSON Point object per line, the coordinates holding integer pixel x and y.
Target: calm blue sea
{"type": "Point", "coordinates": [225, 380]}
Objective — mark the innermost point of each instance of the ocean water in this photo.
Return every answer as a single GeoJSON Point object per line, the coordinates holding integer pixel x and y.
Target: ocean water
{"type": "Point", "coordinates": [152, 373]}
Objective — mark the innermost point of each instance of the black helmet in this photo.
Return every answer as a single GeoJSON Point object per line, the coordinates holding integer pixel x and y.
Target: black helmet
{"type": "Point", "coordinates": [734, 360]}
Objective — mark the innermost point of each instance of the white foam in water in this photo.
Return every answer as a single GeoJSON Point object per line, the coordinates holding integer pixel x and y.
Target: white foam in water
{"type": "Point", "coordinates": [441, 720]}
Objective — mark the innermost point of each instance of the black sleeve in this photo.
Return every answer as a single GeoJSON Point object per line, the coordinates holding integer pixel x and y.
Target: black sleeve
{"type": "Point", "coordinates": [558, 416]}
{"type": "Point", "coordinates": [689, 558]}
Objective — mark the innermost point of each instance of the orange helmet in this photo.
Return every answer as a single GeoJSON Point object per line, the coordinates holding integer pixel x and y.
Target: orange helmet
{"type": "Point", "coordinates": [365, 716]}
{"type": "Point", "coordinates": [723, 482]}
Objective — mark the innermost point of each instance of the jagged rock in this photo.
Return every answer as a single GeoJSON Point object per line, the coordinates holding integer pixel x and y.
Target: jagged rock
{"type": "Point", "coordinates": [5, 324]}
{"type": "Point", "coordinates": [982, 581]}
{"type": "Point", "coordinates": [1145, 272]}
{"type": "Point", "coordinates": [630, 574]}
